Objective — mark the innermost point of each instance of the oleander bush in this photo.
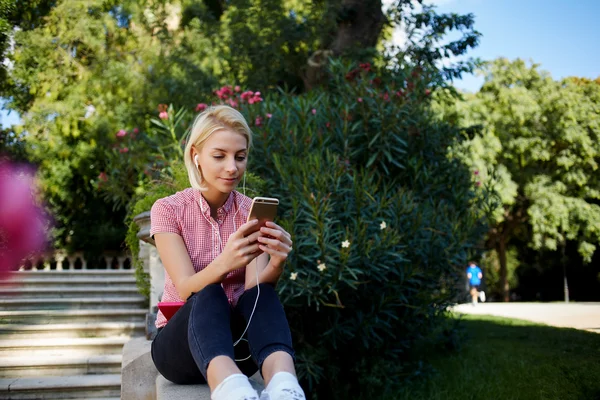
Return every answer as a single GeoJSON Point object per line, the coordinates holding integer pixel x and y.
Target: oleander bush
{"type": "Point", "coordinates": [383, 220]}
{"type": "Point", "coordinates": [382, 216]}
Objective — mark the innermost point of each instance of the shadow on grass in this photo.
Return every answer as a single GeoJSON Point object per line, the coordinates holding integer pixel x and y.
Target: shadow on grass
{"type": "Point", "coordinates": [505, 359]}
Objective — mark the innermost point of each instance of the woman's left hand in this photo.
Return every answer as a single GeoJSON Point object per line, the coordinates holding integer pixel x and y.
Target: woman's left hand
{"type": "Point", "coordinates": [276, 242]}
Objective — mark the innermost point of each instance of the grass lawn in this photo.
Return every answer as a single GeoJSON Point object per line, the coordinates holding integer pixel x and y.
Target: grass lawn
{"type": "Point", "coordinates": [512, 359]}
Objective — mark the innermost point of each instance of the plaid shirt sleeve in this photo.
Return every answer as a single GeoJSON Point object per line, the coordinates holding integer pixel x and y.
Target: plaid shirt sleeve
{"type": "Point", "coordinates": [163, 219]}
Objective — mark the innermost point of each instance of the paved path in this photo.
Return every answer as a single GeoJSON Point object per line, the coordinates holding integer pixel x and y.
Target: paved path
{"type": "Point", "coordinates": [584, 316]}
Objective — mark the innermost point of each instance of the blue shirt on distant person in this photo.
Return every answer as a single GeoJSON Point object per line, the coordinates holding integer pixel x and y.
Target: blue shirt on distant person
{"type": "Point", "coordinates": [474, 274]}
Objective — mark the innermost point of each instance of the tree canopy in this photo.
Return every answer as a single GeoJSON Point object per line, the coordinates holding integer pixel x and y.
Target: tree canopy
{"type": "Point", "coordinates": [83, 71]}
{"type": "Point", "coordinates": [539, 146]}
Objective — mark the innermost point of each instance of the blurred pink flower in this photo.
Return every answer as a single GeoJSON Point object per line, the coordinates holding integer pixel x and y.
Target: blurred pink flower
{"type": "Point", "coordinates": [251, 97]}
{"type": "Point", "coordinates": [314, 111]}
{"type": "Point", "coordinates": [477, 183]}
{"type": "Point", "coordinates": [136, 131]}
{"type": "Point", "coordinates": [237, 88]}
{"type": "Point", "coordinates": [476, 172]}
{"type": "Point", "coordinates": [163, 115]}
{"type": "Point", "coordinates": [247, 95]}
{"type": "Point", "coordinates": [122, 133]}
{"type": "Point", "coordinates": [359, 99]}
{"type": "Point", "coordinates": [23, 224]}
{"type": "Point", "coordinates": [224, 92]}
{"type": "Point", "coordinates": [124, 150]}
{"type": "Point", "coordinates": [201, 107]}
{"type": "Point", "coordinates": [269, 115]}
{"type": "Point", "coordinates": [232, 102]}
{"type": "Point", "coordinates": [103, 177]}
{"type": "Point", "coordinates": [258, 121]}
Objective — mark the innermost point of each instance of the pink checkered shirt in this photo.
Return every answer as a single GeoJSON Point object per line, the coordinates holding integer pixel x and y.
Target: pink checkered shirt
{"type": "Point", "coordinates": [181, 213]}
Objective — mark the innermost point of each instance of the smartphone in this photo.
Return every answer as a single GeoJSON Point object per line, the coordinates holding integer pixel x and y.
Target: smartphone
{"type": "Point", "coordinates": [263, 209]}
{"type": "Point", "coordinates": [169, 308]}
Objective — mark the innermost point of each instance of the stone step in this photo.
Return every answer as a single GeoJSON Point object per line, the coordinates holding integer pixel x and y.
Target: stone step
{"type": "Point", "coordinates": [72, 330]}
{"type": "Point", "coordinates": [61, 347]}
{"type": "Point", "coordinates": [73, 316]}
{"type": "Point", "coordinates": [34, 303]}
{"type": "Point", "coordinates": [67, 292]}
{"type": "Point", "coordinates": [19, 367]}
{"type": "Point", "coordinates": [52, 281]}
{"type": "Point", "coordinates": [62, 387]}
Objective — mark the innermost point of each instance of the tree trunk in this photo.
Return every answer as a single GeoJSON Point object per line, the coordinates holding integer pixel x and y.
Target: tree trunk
{"type": "Point", "coordinates": [563, 261]}
{"type": "Point", "coordinates": [359, 25]}
{"type": "Point", "coordinates": [501, 250]}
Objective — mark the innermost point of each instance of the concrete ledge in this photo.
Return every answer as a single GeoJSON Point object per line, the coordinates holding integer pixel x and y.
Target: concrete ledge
{"type": "Point", "coordinates": [138, 373]}
{"type": "Point", "coordinates": [166, 390]}
{"type": "Point", "coordinates": [141, 380]}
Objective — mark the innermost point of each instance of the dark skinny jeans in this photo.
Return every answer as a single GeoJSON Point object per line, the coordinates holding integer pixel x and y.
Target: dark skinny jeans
{"type": "Point", "coordinates": [206, 326]}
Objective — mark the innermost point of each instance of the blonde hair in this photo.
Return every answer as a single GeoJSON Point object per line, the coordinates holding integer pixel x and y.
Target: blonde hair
{"type": "Point", "coordinates": [211, 120]}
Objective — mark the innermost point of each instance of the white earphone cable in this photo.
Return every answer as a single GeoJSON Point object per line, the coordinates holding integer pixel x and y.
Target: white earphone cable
{"type": "Point", "coordinates": [255, 268]}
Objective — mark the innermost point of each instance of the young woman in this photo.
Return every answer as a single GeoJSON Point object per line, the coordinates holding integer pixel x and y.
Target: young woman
{"type": "Point", "coordinates": [213, 261]}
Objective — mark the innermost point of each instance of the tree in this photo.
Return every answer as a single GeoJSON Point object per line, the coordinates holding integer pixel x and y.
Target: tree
{"type": "Point", "coordinates": [82, 71]}
{"type": "Point", "coordinates": [539, 145]}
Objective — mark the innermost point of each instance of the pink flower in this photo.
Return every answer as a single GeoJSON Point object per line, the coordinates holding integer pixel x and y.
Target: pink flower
{"type": "Point", "coordinates": [359, 99]}
{"type": "Point", "coordinates": [269, 115]}
{"type": "Point", "coordinates": [251, 97]}
{"type": "Point", "coordinates": [23, 224]}
{"type": "Point", "coordinates": [314, 111]}
{"type": "Point", "coordinates": [201, 107]}
{"type": "Point", "coordinates": [122, 133]}
{"type": "Point", "coordinates": [476, 172]}
{"type": "Point", "coordinates": [224, 92]}
{"type": "Point", "coordinates": [258, 121]}
{"type": "Point", "coordinates": [247, 95]}
{"type": "Point", "coordinates": [124, 150]}
{"type": "Point", "coordinates": [136, 131]}
{"type": "Point", "coordinates": [232, 102]}
{"type": "Point", "coordinates": [103, 177]}
{"type": "Point", "coordinates": [163, 115]}
{"type": "Point", "coordinates": [237, 88]}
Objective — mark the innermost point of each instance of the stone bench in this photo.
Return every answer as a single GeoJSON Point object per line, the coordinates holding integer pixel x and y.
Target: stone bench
{"type": "Point", "coordinates": [141, 381]}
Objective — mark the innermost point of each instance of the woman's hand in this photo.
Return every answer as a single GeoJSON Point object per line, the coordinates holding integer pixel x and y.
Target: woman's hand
{"type": "Point", "coordinates": [241, 248]}
{"type": "Point", "coordinates": [276, 242]}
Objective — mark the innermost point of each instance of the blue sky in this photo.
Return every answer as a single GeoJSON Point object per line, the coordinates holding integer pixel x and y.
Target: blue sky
{"type": "Point", "coordinates": [562, 36]}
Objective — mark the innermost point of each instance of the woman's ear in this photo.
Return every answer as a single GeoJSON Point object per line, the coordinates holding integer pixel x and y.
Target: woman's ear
{"type": "Point", "coordinates": [195, 156]}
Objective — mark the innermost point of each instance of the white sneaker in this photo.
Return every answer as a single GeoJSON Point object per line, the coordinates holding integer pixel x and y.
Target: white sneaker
{"type": "Point", "coordinates": [283, 394]}
{"type": "Point", "coordinates": [482, 296]}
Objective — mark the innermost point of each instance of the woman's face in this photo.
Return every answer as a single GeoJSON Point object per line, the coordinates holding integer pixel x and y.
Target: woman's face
{"type": "Point", "coordinates": [223, 160]}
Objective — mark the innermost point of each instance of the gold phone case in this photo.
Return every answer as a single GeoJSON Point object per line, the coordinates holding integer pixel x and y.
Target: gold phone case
{"type": "Point", "coordinates": [263, 209]}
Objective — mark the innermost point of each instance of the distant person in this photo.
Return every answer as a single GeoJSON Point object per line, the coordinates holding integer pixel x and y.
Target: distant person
{"type": "Point", "coordinates": [475, 275]}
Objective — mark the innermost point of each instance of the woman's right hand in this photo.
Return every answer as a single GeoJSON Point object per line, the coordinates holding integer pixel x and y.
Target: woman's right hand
{"type": "Point", "coordinates": [240, 249]}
